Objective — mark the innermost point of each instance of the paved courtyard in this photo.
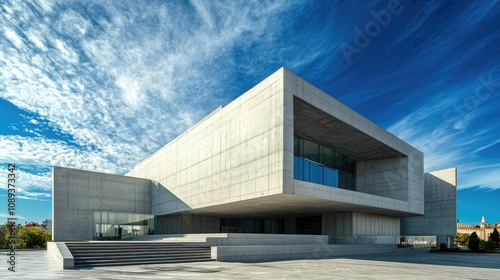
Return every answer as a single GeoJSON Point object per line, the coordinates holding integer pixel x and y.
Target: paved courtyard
{"type": "Point", "coordinates": [404, 264]}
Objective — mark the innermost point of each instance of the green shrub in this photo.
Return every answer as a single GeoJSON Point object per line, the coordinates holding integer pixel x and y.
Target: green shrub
{"type": "Point", "coordinates": [474, 242]}
{"type": "Point", "coordinates": [32, 237]}
{"type": "Point", "coordinates": [443, 246]}
{"type": "Point", "coordinates": [3, 240]}
{"type": "Point", "coordinates": [489, 246]}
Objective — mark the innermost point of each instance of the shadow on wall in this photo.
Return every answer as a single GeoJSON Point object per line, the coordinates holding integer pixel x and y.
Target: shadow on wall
{"type": "Point", "coordinates": [440, 209]}
{"type": "Point", "coordinates": [164, 202]}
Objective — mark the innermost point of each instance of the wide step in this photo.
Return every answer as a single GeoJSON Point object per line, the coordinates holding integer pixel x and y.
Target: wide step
{"type": "Point", "coordinates": [131, 253]}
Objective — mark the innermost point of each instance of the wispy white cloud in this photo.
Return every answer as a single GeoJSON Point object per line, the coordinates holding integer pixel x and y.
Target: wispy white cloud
{"type": "Point", "coordinates": [116, 81]}
{"type": "Point", "coordinates": [14, 38]}
{"type": "Point", "coordinates": [4, 215]}
{"type": "Point", "coordinates": [31, 153]}
{"type": "Point", "coordinates": [30, 183]}
{"type": "Point", "coordinates": [448, 129]}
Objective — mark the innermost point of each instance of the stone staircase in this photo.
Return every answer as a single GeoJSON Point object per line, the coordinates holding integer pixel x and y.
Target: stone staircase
{"type": "Point", "coordinates": [89, 254]}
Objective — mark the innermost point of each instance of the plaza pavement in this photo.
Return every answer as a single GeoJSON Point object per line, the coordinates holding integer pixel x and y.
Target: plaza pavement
{"type": "Point", "coordinates": [404, 264]}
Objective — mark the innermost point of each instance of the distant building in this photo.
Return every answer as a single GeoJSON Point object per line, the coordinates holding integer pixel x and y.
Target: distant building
{"type": "Point", "coordinates": [483, 230]}
{"type": "Point", "coordinates": [47, 225]}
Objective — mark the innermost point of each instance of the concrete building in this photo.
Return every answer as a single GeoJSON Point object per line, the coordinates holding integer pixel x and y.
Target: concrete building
{"type": "Point", "coordinates": [283, 158]}
{"type": "Point", "coordinates": [47, 225]}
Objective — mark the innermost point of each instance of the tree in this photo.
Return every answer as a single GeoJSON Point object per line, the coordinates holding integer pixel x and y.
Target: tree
{"type": "Point", "coordinates": [3, 240]}
{"type": "Point", "coordinates": [495, 236]}
{"type": "Point", "coordinates": [9, 227]}
{"type": "Point", "coordinates": [462, 239]}
{"type": "Point", "coordinates": [489, 246]}
{"type": "Point", "coordinates": [474, 242]}
{"type": "Point", "coordinates": [32, 236]}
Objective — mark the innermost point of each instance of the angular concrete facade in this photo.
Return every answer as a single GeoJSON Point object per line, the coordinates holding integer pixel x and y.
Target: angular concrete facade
{"type": "Point", "coordinates": [440, 213]}
{"type": "Point", "coordinates": [76, 194]}
{"type": "Point", "coordinates": [237, 171]}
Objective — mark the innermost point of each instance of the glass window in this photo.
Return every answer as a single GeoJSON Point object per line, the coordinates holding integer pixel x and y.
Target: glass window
{"type": "Point", "coordinates": [119, 225]}
{"type": "Point", "coordinates": [315, 173]}
{"type": "Point", "coordinates": [328, 177]}
{"type": "Point", "coordinates": [311, 150]}
{"type": "Point", "coordinates": [298, 168]}
{"type": "Point", "coordinates": [350, 166]}
{"type": "Point", "coordinates": [320, 154]}
{"type": "Point", "coordinates": [296, 146]}
{"type": "Point", "coordinates": [335, 178]}
{"type": "Point", "coordinates": [342, 180]}
{"type": "Point", "coordinates": [307, 171]}
{"type": "Point", "coordinates": [322, 165]}
{"type": "Point", "coordinates": [339, 161]}
{"type": "Point", "coordinates": [327, 157]}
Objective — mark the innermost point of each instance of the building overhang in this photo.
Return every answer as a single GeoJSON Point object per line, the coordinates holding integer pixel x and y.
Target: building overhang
{"type": "Point", "coordinates": [315, 124]}
{"type": "Point", "coordinates": [297, 205]}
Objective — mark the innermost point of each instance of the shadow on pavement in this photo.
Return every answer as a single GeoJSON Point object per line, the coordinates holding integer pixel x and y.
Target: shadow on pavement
{"type": "Point", "coordinates": [410, 256]}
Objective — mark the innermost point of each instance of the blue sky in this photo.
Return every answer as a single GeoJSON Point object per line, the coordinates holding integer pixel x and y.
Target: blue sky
{"type": "Point", "coordinates": [100, 85]}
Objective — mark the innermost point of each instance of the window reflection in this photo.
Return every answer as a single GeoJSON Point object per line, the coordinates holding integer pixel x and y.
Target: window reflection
{"type": "Point", "coordinates": [119, 225]}
{"type": "Point", "coordinates": [322, 165]}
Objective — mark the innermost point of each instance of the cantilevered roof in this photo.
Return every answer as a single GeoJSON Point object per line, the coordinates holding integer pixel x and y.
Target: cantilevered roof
{"type": "Point", "coordinates": [315, 124]}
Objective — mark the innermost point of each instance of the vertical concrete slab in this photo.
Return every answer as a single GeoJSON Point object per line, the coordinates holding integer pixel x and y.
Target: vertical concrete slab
{"type": "Point", "coordinates": [235, 153]}
{"type": "Point", "coordinates": [76, 194]}
{"type": "Point", "coordinates": [440, 214]}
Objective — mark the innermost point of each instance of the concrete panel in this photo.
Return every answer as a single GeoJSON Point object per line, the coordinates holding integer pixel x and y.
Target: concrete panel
{"type": "Point", "coordinates": [183, 224]}
{"type": "Point", "coordinates": [292, 252]}
{"type": "Point", "coordinates": [360, 228]}
{"type": "Point", "coordinates": [440, 207]}
{"type": "Point", "coordinates": [385, 177]}
{"type": "Point", "coordinates": [226, 157]}
{"type": "Point", "coordinates": [60, 253]}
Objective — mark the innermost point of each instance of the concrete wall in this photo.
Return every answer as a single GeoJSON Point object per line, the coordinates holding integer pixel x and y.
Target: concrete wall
{"type": "Point", "coordinates": [180, 224]}
{"type": "Point", "coordinates": [384, 177]}
{"type": "Point", "coordinates": [370, 224]}
{"type": "Point", "coordinates": [360, 228]}
{"type": "Point", "coordinates": [293, 252]}
{"type": "Point", "coordinates": [338, 224]}
{"type": "Point", "coordinates": [440, 214]}
{"type": "Point", "coordinates": [234, 154]}
{"type": "Point", "coordinates": [77, 193]}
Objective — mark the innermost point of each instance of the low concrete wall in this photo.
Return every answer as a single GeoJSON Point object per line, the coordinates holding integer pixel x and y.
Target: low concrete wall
{"type": "Point", "coordinates": [61, 254]}
{"type": "Point", "coordinates": [293, 252]}
{"type": "Point", "coordinates": [244, 239]}
{"type": "Point", "coordinates": [239, 239]}
{"type": "Point", "coordinates": [366, 240]}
